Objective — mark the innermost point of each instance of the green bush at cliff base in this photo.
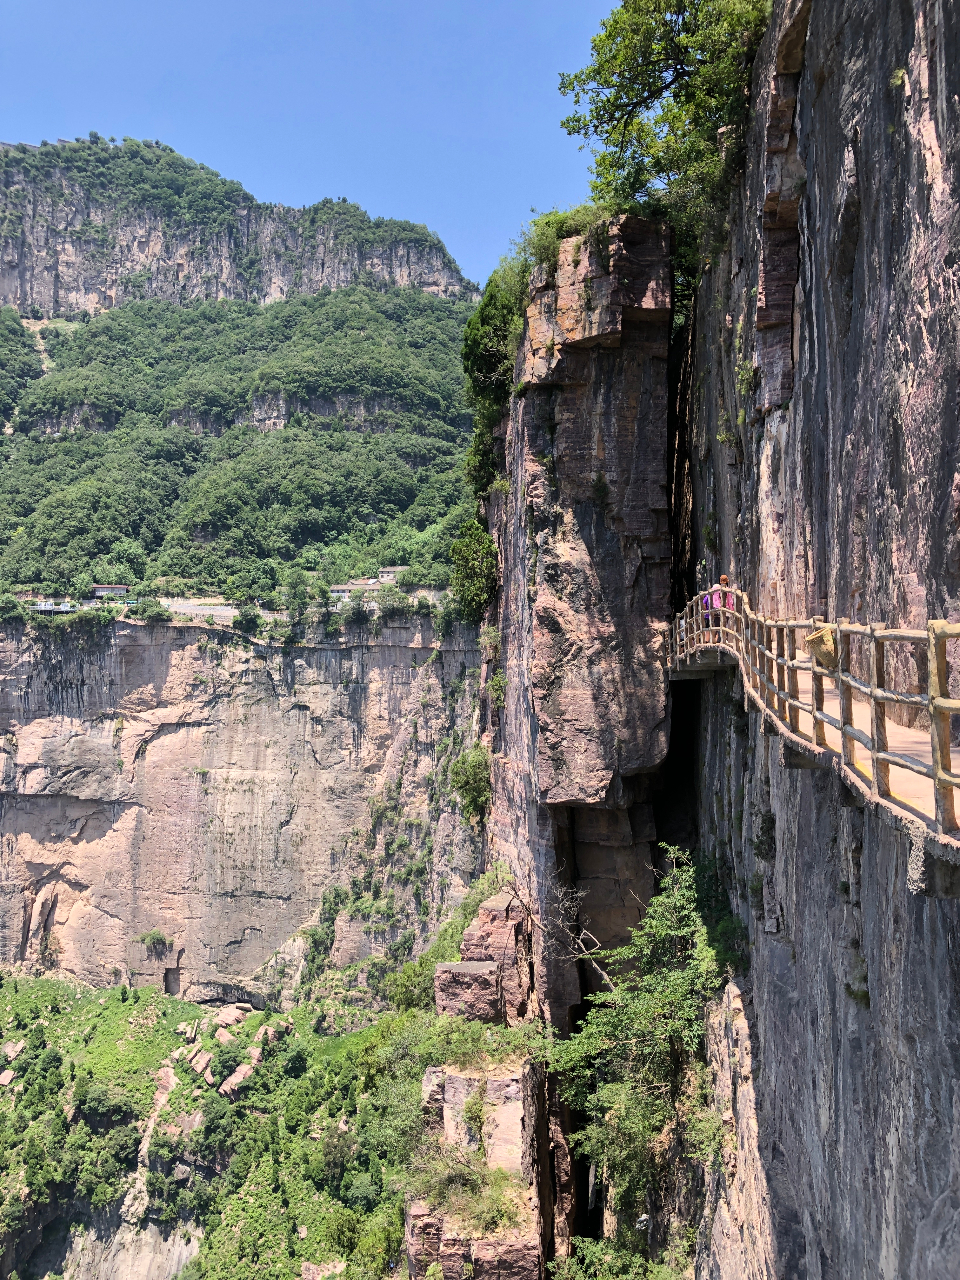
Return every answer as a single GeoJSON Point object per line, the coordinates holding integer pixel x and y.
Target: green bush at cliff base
{"type": "Point", "coordinates": [635, 1064]}
{"type": "Point", "coordinates": [473, 581]}
{"type": "Point", "coordinates": [667, 97]}
{"type": "Point", "coordinates": [470, 778]}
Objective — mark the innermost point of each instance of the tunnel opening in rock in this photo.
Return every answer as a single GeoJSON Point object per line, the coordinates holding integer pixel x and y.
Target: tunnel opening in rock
{"type": "Point", "coordinates": [171, 981]}
{"type": "Point", "coordinates": [674, 787]}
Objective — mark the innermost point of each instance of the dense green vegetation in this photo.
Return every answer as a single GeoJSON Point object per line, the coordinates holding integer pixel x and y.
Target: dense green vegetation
{"type": "Point", "coordinates": [474, 579]}
{"type": "Point", "coordinates": [368, 471]}
{"type": "Point", "coordinates": [150, 177]}
{"type": "Point", "coordinates": [634, 1071]}
{"type": "Point", "coordinates": [667, 99]}
{"type": "Point", "coordinates": [310, 1159]}
{"type": "Point", "coordinates": [19, 361]}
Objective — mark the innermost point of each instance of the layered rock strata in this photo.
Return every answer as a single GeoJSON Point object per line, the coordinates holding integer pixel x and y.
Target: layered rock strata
{"type": "Point", "coordinates": [171, 785]}
{"type": "Point", "coordinates": [65, 249]}
{"type": "Point", "coordinates": [584, 545]}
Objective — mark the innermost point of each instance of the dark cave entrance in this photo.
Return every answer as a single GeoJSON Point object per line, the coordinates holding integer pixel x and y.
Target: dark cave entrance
{"type": "Point", "coordinates": [672, 793]}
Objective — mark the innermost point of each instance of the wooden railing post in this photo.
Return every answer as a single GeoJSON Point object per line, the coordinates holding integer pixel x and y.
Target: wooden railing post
{"type": "Point", "coordinates": [878, 711]}
{"type": "Point", "coordinates": [781, 672]}
{"type": "Point", "coordinates": [847, 745]}
{"type": "Point", "coordinates": [816, 692]}
{"type": "Point", "coordinates": [793, 682]}
{"type": "Point", "coordinates": [938, 687]}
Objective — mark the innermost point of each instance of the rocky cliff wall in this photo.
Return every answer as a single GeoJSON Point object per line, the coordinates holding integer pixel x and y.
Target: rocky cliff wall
{"type": "Point", "coordinates": [823, 441]}
{"type": "Point", "coordinates": [64, 250]}
{"type": "Point", "coordinates": [585, 557]}
{"type": "Point", "coordinates": [163, 778]}
{"type": "Point", "coordinates": [824, 423]}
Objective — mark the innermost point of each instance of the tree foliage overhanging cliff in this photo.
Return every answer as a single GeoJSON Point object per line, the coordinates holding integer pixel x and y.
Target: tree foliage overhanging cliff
{"type": "Point", "coordinates": [666, 98]}
{"type": "Point", "coordinates": [158, 479]}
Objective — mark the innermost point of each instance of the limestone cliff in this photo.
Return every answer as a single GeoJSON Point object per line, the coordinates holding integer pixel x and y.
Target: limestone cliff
{"type": "Point", "coordinates": [168, 779]}
{"type": "Point", "coordinates": [823, 439]}
{"type": "Point", "coordinates": [68, 245]}
{"type": "Point", "coordinates": [585, 550]}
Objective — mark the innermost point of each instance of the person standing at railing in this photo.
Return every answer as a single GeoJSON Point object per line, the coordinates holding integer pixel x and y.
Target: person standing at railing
{"type": "Point", "coordinates": [714, 602]}
{"type": "Point", "coordinates": [707, 631]}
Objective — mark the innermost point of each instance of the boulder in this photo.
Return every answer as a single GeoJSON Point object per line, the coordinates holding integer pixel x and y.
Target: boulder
{"type": "Point", "coordinates": [471, 989]}
{"type": "Point", "coordinates": [229, 1086]}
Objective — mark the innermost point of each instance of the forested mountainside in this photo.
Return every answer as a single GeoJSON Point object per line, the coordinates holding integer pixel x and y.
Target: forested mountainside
{"type": "Point", "coordinates": [145, 444]}
{"type": "Point", "coordinates": [90, 224]}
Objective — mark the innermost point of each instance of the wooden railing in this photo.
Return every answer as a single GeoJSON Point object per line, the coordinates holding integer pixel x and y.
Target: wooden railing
{"type": "Point", "coordinates": [767, 652]}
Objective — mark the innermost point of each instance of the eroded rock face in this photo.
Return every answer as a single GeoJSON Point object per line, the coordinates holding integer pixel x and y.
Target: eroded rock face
{"type": "Point", "coordinates": [823, 436]}
{"type": "Point", "coordinates": [75, 252]}
{"type": "Point", "coordinates": [163, 782]}
{"type": "Point", "coordinates": [585, 556]}
{"type": "Point", "coordinates": [837, 1067]}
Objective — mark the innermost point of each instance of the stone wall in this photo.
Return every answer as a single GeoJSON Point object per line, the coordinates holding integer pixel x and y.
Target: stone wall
{"type": "Point", "coordinates": [165, 779]}
{"type": "Point", "coordinates": [585, 554]}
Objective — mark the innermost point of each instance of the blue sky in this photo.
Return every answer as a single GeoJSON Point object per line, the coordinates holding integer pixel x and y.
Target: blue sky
{"type": "Point", "coordinates": [444, 113]}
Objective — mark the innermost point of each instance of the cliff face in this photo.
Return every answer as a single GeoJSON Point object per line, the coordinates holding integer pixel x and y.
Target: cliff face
{"type": "Point", "coordinates": [823, 441]}
{"type": "Point", "coordinates": [824, 424]}
{"type": "Point", "coordinates": [817, 465]}
{"type": "Point", "coordinates": [585, 552]}
{"type": "Point", "coordinates": [163, 780]}
{"type": "Point", "coordinates": [64, 249]}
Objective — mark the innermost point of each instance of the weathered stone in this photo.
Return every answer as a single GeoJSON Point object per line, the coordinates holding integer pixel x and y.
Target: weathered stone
{"type": "Point", "coordinates": [241, 775]}
{"type": "Point", "coordinates": [223, 1036]}
{"type": "Point", "coordinates": [229, 1086]}
{"type": "Point", "coordinates": [507, 1259]}
{"type": "Point", "coordinates": [471, 989]}
{"type": "Point", "coordinates": [501, 933]}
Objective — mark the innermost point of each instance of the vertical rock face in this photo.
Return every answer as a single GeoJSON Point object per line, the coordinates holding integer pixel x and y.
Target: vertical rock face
{"type": "Point", "coordinates": [585, 552]}
{"type": "Point", "coordinates": [66, 248]}
{"type": "Point", "coordinates": [165, 782]}
{"type": "Point", "coordinates": [825, 422]}
{"type": "Point", "coordinates": [823, 434]}
{"type": "Point", "coordinates": [837, 1066]}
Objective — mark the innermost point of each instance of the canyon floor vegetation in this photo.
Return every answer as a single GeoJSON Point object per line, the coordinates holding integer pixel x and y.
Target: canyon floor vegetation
{"type": "Point", "coordinates": [134, 456]}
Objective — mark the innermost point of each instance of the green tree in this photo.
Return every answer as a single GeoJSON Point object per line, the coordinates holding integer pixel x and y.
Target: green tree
{"type": "Point", "coordinates": [630, 1064]}
{"type": "Point", "coordinates": [667, 97]}
{"type": "Point", "coordinates": [296, 594]}
{"type": "Point", "coordinates": [470, 778]}
{"type": "Point", "coordinates": [474, 579]}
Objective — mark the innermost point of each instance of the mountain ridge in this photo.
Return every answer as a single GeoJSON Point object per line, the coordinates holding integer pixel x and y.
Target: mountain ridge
{"type": "Point", "coordinates": [88, 225]}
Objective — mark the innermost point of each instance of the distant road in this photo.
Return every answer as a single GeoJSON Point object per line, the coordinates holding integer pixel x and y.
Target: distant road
{"type": "Point", "coordinates": [201, 609]}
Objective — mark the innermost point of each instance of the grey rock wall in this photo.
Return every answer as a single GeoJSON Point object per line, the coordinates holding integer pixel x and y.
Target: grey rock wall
{"type": "Point", "coordinates": [163, 780]}
{"type": "Point", "coordinates": [837, 1060]}
{"type": "Point", "coordinates": [63, 250]}
{"type": "Point", "coordinates": [823, 437]}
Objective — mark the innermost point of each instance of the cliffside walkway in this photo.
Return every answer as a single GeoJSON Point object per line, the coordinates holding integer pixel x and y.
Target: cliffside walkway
{"type": "Point", "coordinates": [821, 702]}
